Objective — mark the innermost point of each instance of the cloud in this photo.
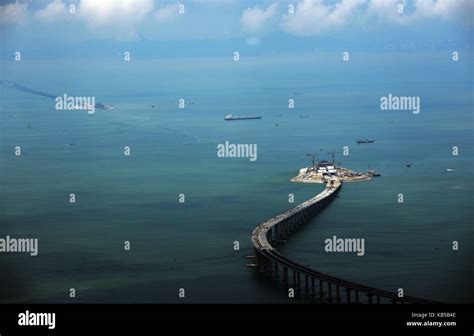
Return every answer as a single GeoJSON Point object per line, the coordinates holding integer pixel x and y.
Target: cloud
{"type": "Point", "coordinates": [388, 12]}
{"type": "Point", "coordinates": [13, 13]}
{"type": "Point", "coordinates": [214, 2]}
{"type": "Point", "coordinates": [114, 12]}
{"type": "Point", "coordinates": [254, 20]}
{"type": "Point", "coordinates": [450, 10]}
{"type": "Point", "coordinates": [313, 17]}
{"type": "Point", "coordinates": [115, 18]}
{"type": "Point", "coordinates": [123, 19]}
{"type": "Point", "coordinates": [54, 11]}
{"type": "Point", "coordinates": [167, 13]}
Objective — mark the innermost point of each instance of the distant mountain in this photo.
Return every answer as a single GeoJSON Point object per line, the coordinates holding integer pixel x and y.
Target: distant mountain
{"type": "Point", "coordinates": [274, 43]}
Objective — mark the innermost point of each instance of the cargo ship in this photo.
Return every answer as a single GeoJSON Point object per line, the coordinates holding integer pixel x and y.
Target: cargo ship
{"type": "Point", "coordinates": [231, 117]}
{"type": "Point", "coordinates": [365, 141]}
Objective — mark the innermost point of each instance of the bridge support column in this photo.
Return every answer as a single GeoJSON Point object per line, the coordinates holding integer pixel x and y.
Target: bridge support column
{"type": "Point", "coordinates": [378, 299]}
{"type": "Point", "coordinates": [329, 292]}
{"type": "Point", "coordinates": [294, 280]}
{"type": "Point", "coordinates": [285, 276]}
{"type": "Point", "coordinates": [338, 296]}
{"type": "Point", "coordinates": [259, 261]}
{"type": "Point", "coordinates": [306, 285]}
{"type": "Point", "coordinates": [268, 267]}
{"type": "Point", "coordinates": [299, 280]}
{"type": "Point", "coordinates": [321, 292]}
{"type": "Point", "coordinates": [313, 291]}
{"type": "Point", "coordinates": [265, 265]}
{"type": "Point", "coordinates": [357, 296]}
{"type": "Point", "coordinates": [276, 271]}
{"type": "Point", "coordinates": [348, 295]}
{"type": "Point", "coordinates": [370, 298]}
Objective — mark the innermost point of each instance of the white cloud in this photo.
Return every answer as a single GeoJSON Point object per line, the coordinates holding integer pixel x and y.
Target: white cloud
{"type": "Point", "coordinates": [461, 10]}
{"type": "Point", "coordinates": [214, 2]}
{"type": "Point", "coordinates": [388, 12]}
{"type": "Point", "coordinates": [115, 18]}
{"type": "Point", "coordinates": [167, 13]}
{"type": "Point", "coordinates": [54, 11]}
{"type": "Point", "coordinates": [123, 19]}
{"type": "Point", "coordinates": [452, 10]}
{"type": "Point", "coordinates": [254, 20]}
{"type": "Point", "coordinates": [114, 12]}
{"type": "Point", "coordinates": [313, 17]}
{"type": "Point", "coordinates": [13, 13]}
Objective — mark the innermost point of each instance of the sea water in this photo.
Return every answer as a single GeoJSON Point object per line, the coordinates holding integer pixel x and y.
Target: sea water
{"type": "Point", "coordinates": [173, 152]}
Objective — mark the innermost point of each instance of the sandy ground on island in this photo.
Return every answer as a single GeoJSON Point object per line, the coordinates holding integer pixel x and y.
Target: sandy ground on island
{"type": "Point", "coordinates": [308, 175]}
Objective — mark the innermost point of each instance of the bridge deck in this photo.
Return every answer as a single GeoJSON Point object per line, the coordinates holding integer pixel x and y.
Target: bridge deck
{"type": "Point", "coordinates": [261, 244]}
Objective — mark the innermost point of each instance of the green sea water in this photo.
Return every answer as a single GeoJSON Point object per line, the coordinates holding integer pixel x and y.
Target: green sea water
{"type": "Point", "coordinates": [173, 151]}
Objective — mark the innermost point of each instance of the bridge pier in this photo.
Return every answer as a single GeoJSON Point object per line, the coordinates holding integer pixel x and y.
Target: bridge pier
{"type": "Point", "coordinates": [295, 223]}
{"type": "Point", "coordinates": [258, 261]}
{"type": "Point", "coordinates": [306, 215]}
{"type": "Point", "coordinates": [285, 276]}
{"type": "Point", "coordinates": [321, 292]}
{"type": "Point", "coordinates": [268, 268]}
{"type": "Point", "coordinates": [329, 292]}
{"type": "Point", "coordinates": [268, 260]}
{"type": "Point", "coordinates": [370, 298]}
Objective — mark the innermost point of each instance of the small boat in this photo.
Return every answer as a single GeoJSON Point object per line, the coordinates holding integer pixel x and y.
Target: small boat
{"type": "Point", "coordinates": [373, 173]}
{"type": "Point", "coordinates": [231, 117]}
{"type": "Point", "coordinates": [104, 106]}
{"type": "Point", "coordinates": [449, 170]}
{"type": "Point", "coordinates": [365, 141]}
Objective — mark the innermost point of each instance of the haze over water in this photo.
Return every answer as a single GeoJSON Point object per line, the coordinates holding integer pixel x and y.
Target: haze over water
{"type": "Point", "coordinates": [173, 151]}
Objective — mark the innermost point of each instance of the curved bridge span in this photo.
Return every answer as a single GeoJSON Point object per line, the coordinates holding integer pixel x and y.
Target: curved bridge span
{"type": "Point", "coordinates": [301, 278]}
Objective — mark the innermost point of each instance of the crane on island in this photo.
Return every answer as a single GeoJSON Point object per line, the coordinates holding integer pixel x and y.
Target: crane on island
{"type": "Point", "coordinates": [313, 156]}
{"type": "Point", "coordinates": [332, 153]}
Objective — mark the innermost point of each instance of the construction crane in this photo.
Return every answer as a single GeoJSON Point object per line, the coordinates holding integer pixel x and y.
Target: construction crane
{"type": "Point", "coordinates": [313, 156]}
{"type": "Point", "coordinates": [332, 153]}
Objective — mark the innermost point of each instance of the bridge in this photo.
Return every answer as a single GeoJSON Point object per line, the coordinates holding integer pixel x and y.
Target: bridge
{"type": "Point", "coordinates": [327, 288]}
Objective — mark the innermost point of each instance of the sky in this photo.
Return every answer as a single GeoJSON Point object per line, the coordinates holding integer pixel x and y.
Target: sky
{"type": "Point", "coordinates": [48, 25]}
